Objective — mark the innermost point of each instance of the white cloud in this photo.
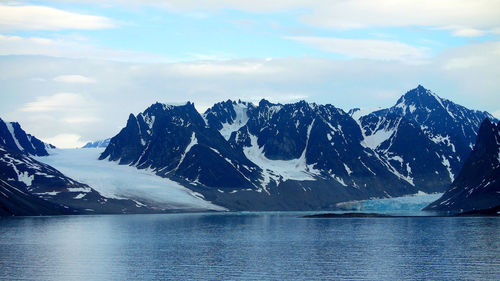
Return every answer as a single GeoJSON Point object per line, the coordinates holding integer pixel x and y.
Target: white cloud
{"type": "Point", "coordinates": [57, 102]}
{"type": "Point", "coordinates": [65, 141]}
{"type": "Point", "coordinates": [100, 110]}
{"type": "Point", "coordinates": [73, 79]}
{"type": "Point", "coordinates": [17, 45]}
{"type": "Point", "coordinates": [366, 49]}
{"type": "Point", "coordinates": [47, 18]}
{"type": "Point", "coordinates": [463, 15]}
{"type": "Point", "coordinates": [81, 119]}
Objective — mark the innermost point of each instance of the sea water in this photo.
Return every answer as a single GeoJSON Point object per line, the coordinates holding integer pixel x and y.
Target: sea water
{"type": "Point", "coordinates": [248, 246]}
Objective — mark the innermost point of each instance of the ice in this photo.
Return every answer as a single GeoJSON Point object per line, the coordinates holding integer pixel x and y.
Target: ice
{"type": "Point", "coordinates": [121, 181]}
{"type": "Point", "coordinates": [406, 205]}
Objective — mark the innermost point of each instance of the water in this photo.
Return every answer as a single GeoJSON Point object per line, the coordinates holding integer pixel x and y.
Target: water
{"type": "Point", "coordinates": [248, 246]}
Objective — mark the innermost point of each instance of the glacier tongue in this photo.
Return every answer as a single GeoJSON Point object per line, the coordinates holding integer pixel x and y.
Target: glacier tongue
{"type": "Point", "coordinates": [122, 181]}
{"type": "Point", "coordinates": [406, 205]}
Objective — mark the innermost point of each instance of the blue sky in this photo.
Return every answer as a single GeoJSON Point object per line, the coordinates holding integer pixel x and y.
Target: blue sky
{"type": "Point", "coordinates": [73, 70]}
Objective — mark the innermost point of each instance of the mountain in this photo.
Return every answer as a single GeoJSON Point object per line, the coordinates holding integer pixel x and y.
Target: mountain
{"type": "Point", "coordinates": [423, 138]}
{"type": "Point", "coordinates": [15, 138]}
{"type": "Point", "coordinates": [477, 186]}
{"type": "Point", "coordinates": [177, 144]}
{"type": "Point", "coordinates": [97, 144]}
{"type": "Point", "coordinates": [37, 179]}
{"type": "Point", "coordinates": [15, 202]}
{"type": "Point", "coordinates": [301, 156]}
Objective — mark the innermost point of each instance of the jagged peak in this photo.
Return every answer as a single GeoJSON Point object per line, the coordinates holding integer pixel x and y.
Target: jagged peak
{"type": "Point", "coordinates": [264, 102]}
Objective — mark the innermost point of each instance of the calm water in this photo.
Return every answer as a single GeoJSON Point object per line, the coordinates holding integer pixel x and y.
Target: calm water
{"type": "Point", "coordinates": [254, 246]}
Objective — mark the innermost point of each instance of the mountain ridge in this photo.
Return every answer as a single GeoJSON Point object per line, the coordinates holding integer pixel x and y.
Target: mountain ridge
{"type": "Point", "coordinates": [237, 153]}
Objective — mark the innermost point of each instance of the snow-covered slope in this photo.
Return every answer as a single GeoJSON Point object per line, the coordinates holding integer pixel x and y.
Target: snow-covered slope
{"type": "Point", "coordinates": [121, 181]}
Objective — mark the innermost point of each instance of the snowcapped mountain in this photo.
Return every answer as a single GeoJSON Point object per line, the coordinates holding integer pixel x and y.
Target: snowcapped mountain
{"type": "Point", "coordinates": [302, 155]}
{"type": "Point", "coordinates": [15, 138]}
{"type": "Point", "coordinates": [423, 138]}
{"type": "Point", "coordinates": [175, 142]}
{"type": "Point", "coordinates": [97, 144]}
{"type": "Point", "coordinates": [477, 186]}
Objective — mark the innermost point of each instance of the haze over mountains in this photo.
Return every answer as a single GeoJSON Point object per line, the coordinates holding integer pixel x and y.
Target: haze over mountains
{"type": "Point", "coordinates": [241, 156]}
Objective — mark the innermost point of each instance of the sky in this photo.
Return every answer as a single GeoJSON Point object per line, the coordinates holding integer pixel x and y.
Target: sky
{"type": "Point", "coordinates": [72, 71]}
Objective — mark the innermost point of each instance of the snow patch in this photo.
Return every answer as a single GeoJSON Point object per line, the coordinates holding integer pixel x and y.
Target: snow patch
{"type": "Point", "coordinates": [11, 131]}
{"type": "Point", "coordinates": [239, 121]}
{"type": "Point", "coordinates": [446, 163]}
{"type": "Point", "coordinates": [375, 140]}
{"type": "Point", "coordinates": [280, 170]}
{"type": "Point", "coordinates": [349, 172]}
{"type": "Point", "coordinates": [193, 142]}
{"type": "Point", "coordinates": [25, 178]}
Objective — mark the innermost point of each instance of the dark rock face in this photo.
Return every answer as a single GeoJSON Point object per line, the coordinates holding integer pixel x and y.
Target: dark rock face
{"type": "Point", "coordinates": [176, 143]}
{"type": "Point", "coordinates": [15, 202]}
{"type": "Point", "coordinates": [477, 186]}
{"type": "Point", "coordinates": [301, 156]}
{"type": "Point", "coordinates": [37, 180]}
{"type": "Point", "coordinates": [423, 138]}
{"type": "Point", "coordinates": [97, 144]}
{"type": "Point", "coordinates": [15, 138]}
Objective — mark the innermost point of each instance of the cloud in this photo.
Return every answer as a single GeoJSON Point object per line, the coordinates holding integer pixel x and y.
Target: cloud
{"type": "Point", "coordinates": [467, 75]}
{"type": "Point", "coordinates": [73, 79]}
{"type": "Point", "coordinates": [65, 141]}
{"type": "Point", "coordinates": [463, 17]}
{"type": "Point", "coordinates": [365, 49]}
{"type": "Point", "coordinates": [47, 18]}
{"type": "Point", "coordinates": [57, 102]}
{"type": "Point", "coordinates": [17, 45]}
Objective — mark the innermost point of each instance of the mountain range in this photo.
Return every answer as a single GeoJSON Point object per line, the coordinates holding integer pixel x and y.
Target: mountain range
{"type": "Point", "coordinates": [267, 156]}
{"type": "Point", "coordinates": [301, 156]}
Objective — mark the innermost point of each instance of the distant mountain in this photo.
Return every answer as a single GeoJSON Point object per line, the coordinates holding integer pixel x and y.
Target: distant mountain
{"type": "Point", "coordinates": [97, 144]}
{"type": "Point", "coordinates": [477, 186]}
{"type": "Point", "coordinates": [15, 138]}
{"type": "Point", "coordinates": [423, 138]}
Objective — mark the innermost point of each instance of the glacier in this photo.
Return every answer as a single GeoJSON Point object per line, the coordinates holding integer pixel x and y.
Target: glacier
{"type": "Point", "coordinates": [410, 205]}
{"type": "Point", "coordinates": [124, 182]}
